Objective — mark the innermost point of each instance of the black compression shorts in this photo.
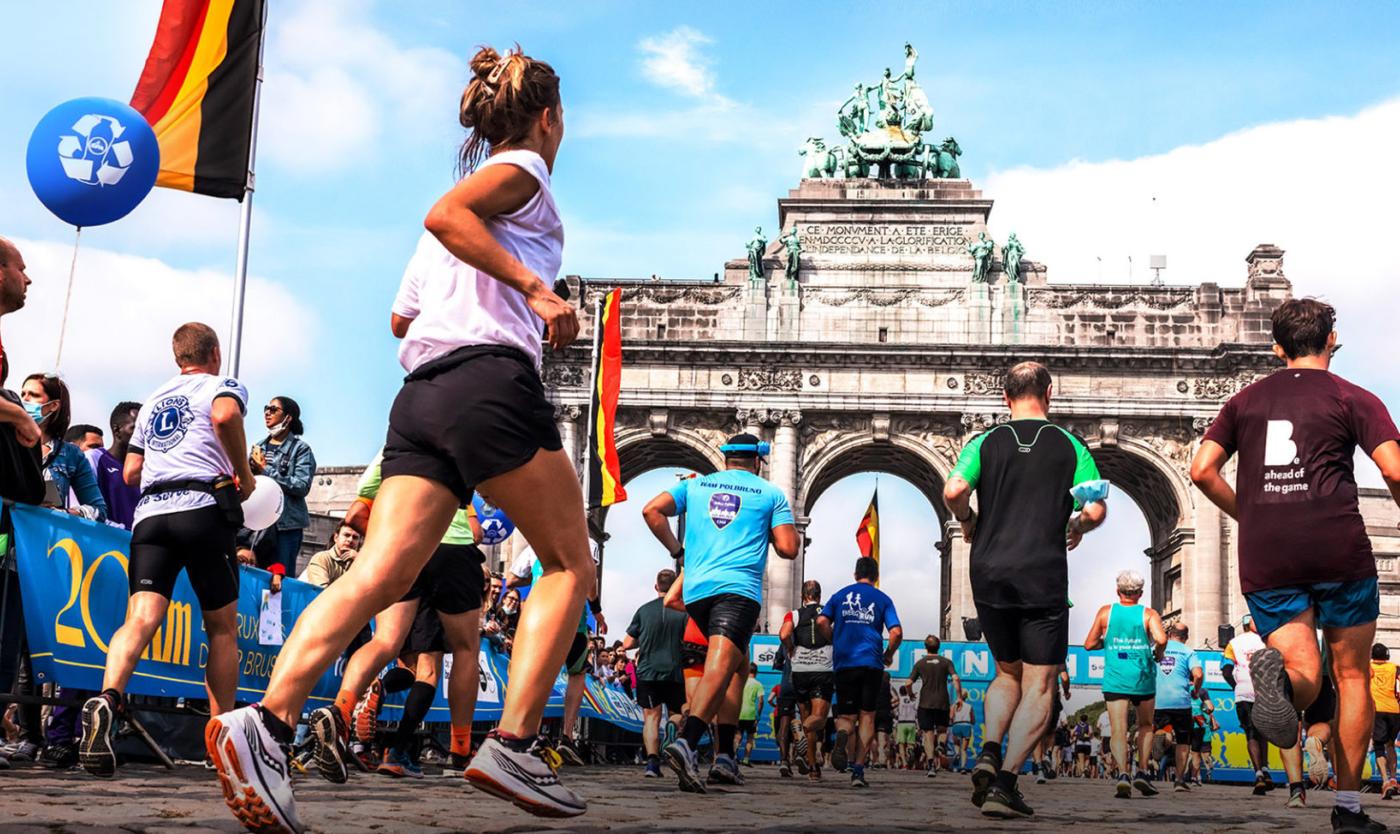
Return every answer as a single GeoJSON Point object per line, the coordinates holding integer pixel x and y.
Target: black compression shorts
{"type": "Point", "coordinates": [748, 726]}
{"type": "Point", "coordinates": [1244, 711]}
{"type": "Point", "coordinates": [656, 694]}
{"type": "Point", "coordinates": [451, 582]}
{"type": "Point", "coordinates": [426, 635]}
{"type": "Point", "coordinates": [858, 690]}
{"type": "Point", "coordinates": [1039, 636]}
{"type": "Point", "coordinates": [932, 720]}
{"type": "Point", "coordinates": [1178, 719]}
{"type": "Point", "coordinates": [728, 615]}
{"type": "Point", "coordinates": [1198, 740]}
{"type": "Point", "coordinates": [1384, 729]}
{"type": "Point", "coordinates": [198, 541]}
{"type": "Point", "coordinates": [813, 685]}
{"type": "Point", "coordinates": [469, 416]}
{"type": "Point", "coordinates": [1324, 707]}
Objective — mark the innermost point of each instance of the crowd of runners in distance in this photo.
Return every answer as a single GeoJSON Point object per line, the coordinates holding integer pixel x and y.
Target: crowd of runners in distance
{"type": "Point", "coordinates": [472, 416]}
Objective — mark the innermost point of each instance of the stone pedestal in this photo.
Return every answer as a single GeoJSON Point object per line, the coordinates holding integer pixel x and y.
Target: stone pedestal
{"type": "Point", "coordinates": [1013, 313]}
{"type": "Point", "coordinates": [959, 603]}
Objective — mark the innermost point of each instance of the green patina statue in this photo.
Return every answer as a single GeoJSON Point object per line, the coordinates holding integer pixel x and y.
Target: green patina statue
{"type": "Point", "coordinates": [1011, 255]}
{"type": "Point", "coordinates": [981, 250]}
{"type": "Point", "coordinates": [755, 250]}
{"type": "Point", "coordinates": [793, 244]}
{"type": "Point", "coordinates": [853, 117]}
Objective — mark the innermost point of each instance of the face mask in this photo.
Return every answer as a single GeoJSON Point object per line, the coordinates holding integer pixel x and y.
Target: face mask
{"type": "Point", "coordinates": [35, 411]}
{"type": "Point", "coordinates": [509, 609]}
{"type": "Point", "coordinates": [280, 429]}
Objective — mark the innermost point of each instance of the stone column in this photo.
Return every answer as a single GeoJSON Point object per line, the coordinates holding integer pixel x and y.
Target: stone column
{"type": "Point", "coordinates": [959, 592]}
{"type": "Point", "coordinates": [567, 416]}
{"type": "Point", "coordinates": [1204, 606]}
{"type": "Point", "coordinates": [782, 577]}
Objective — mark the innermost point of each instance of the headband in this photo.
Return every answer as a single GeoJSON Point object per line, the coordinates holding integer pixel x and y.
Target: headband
{"type": "Point", "coordinates": [760, 449]}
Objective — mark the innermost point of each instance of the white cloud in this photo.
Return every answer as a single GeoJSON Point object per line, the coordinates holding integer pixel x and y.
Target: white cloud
{"type": "Point", "coordinates": [674, 61]}
{"type": "Point", "coordinates": [123, 311]}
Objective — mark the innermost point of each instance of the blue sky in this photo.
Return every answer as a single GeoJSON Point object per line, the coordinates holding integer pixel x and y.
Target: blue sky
{"type": "Point", "coordinates": [1250, 122]}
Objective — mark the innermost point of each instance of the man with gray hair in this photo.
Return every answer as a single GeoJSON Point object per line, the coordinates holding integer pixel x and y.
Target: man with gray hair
{"type": "Point", "coordinates": [1132, 640]}
{"type": "Point", "coordinates": [1038, 493]}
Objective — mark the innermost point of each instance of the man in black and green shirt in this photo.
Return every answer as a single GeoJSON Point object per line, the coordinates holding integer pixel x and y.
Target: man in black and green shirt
{"type": "Point", "coordinates": [657, 631]}
{"type": "Point", "coordinates": [1030, 477]}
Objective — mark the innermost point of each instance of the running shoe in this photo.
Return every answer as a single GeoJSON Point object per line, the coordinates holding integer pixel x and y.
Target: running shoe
{"type": "Point", "coordinates": [1145, 787]}
{"type": "Point", "coordinates": [1274, 715]}
{"type": "Point", "coordinates": [4, 763]}
{"type": "Point", "coordinates": [59, 756]}
{"type": "Point", "coordinates": [785, 769]}
{"type": "Point", "coordinates": [398, 763]}
{"type": "Point", "coordinates": [815, 774]}
{"type": "Point", "coordinates": [359, 757]}
{"type": "Point", "coordinates": [1005, 805]}
{"type": "Point", "coordinates": [1124, 788]}
{"type": "Point", "coordinates": [932, 772]}
{"type": "Point", "coordinates": [681, 759]}
{"type": "Point", "coordinates": [528, 778]}
{"type": "Point", "coordinates": [838, 752]}
{"type": "Point", "coordinates": [653, 769]}
{"type": "Point", "coordinates": [725, 771]}
{"type": "Point", "coordinates": [26, 751]}
{"type": "Point", "coordinates": [1297, 797]}
{"type": "Point", "coordinates": [1261, 785]}
{"type": "Point", "coordinates": [1317, 760]}
{"type": "Point", "coordinates": [332, 740]}
{"type": "Point", "coordinates": [1039, 777]}
{"type": "Point", "coordinates": [569, 752]}
{"type": "Point", "coordinates": [95, 751]}
{"type": "Point", "coordinates": [254, 771]}
{"type": "Point", "coordinates": [1048, 768]}
{"type": "Point", "coordinates": [1181, 787]}
{"type": "Point", "coordinates": [1390, 789]}
{"type": "Point", "coordinates": [858, 777]}
{"type": "Point", "coordinates": [1348, 822]}
{"type": "Point", "coordinates": [984, 775]}
{"type": "Point", "coordinates": [668, 734]}
{"type": "Point", "coordinates": [366, 714]}
{"type": "Point", "coordinates": [801, 764]}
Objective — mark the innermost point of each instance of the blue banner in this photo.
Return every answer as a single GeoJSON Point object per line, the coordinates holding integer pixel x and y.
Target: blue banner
{"type": "Point", "coordinates": [73, 580]}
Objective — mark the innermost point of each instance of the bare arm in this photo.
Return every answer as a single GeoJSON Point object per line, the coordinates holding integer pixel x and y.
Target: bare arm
{"type": "Point", "coordinates": [1387, 458]}
{"type": "Point", "coordinates": [658, 514]}
{"type": "Point", "coordinates": [785, 637]}
{"type": "Point", "coordinates": [785, 541]}
{"type": "Point", "coordinates": [475, 524]}
{"type": "Point", "coordinates": [1205, 474]}
{"type": "Point", "coordinates": [628, 643]}
{"type": "Point", "coordinates": [458, 221]}
{"type": "Point", "coordinates": [824, 626]}
{"type": "Point", "coordinates": [398, 325]}
{"type": "Point", "coordinates": [1094, 640]}
{"type": "Point", "coordinates": [1156, 633]}
{"type": "Point", "coordinates": [1064, 683]}
{"type": "Point", "coordinates": [957, 685]}
{"type": "Point", "coordinates": [227, 415]}
{"type": "Point", "coordinates": [1198, 679]}
{"type": "Point", "coordinates": [896, 637]}
{"type": "Point", "coordinates": [1090, 517]}
{"type": "Point", "coordinates": [131, 469]}
{"type": "Point", "coordinates": [26, 430]}
{"type": "Point", "coordinates": [357, 517]}
{"type": "Point", "coordinates": [957, 495]}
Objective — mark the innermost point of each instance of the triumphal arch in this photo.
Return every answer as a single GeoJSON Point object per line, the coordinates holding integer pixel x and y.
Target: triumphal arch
{"type": "Point", "coordinates": [872, 335]}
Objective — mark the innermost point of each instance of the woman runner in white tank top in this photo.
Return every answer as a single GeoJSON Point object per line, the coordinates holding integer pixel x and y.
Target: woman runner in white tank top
{"type": "Point", "coordinates": [472, 414]}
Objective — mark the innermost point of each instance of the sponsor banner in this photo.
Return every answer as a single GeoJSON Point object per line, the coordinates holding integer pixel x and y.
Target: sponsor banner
{"type": "Point", "coordinates": [73, 580]}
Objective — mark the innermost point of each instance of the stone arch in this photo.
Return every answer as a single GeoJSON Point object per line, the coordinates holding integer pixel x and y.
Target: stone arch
{"type": "Point", "coordinates": [1159, 486]}
{"type": "Point", "coordinates": [902, 456]}
{"type": "Point", "coordinates": [639, 450]}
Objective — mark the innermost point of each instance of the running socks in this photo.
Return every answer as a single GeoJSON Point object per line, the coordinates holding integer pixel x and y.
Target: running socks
{"type": "Point", "coordinates": [516, 744]}
{"type": "Point", "coordinates": [116, 699]}
{"type": "Point", "coordinates": [345, 702]}
{"type": "Point", "coordinates": [461, 740]}
{"type": "Point", "coordinates": [726, 738]}
{"type": "Point", "coordinates": [992, 749]}
{"type": "Point", "coordinates": [1349, 801]}
{"type": "Point", "coordinates": [276, 727]}
{"type": "Point", "coordinates": [1006, 780]}
{"type": "Point", "coordinates": [694, 730]}
{"type": "Point", "coordinates": [415, 707]}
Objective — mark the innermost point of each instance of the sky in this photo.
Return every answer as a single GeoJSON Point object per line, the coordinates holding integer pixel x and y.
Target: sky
{"type": "Point", "coordinates": [1103, 133]}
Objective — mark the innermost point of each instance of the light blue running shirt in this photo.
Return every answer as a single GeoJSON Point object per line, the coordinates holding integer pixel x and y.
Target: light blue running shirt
{"type": "Point", "coordinates": [1174, 676]}
{"type": "Point", "coordinates": [728, 519]}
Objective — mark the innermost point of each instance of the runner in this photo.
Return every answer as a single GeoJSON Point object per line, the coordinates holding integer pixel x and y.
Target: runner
{"type": "Point", "coordinates": [656, 631]}
{"type": "Point", "coordinates": [783, 700]}
{"type": "Point", "coordinates": [451, 584]}
{"type": "Point", "coordinates": [855, 619]}
{"type": "Point", "coordinates": [1030, 476]}
{"type": "Point", "coordinates": [1064, 748]}
{"type": "Point", "coordinates": [1234, 669]}
{"type": "Point", "coordinates": [1180, 678]}
{"type": "Point", "coordinates": [961, 730]}
{"type": "Point", "coordinates": [906, 728]}
{"type": "Point", "coordinates": [731, 517]}
{"type": "Point", "coordinates": [750, 711]}
{"type": "Point", "coordinates": [1101, 760]}
{"type": "Point", "coordinates": [1304, 556]}
{"type": "Point", "coordinates": [1132, 639]}
{"type": "Point", "coordinates": [933, 672]}
{"type": "Point", "coordinates": [188, 453]}
{"type": "Point", "coordinates": [1043, 758]}
{"type": "Point", "coordinates": [884, 723]}
{"type": "Point", "coordinates": [472, 413]}
{"type": "Point", "coordinates": [1203, 728]}
{"type": "Point", "coordinates": [812, 672]}
{"type": "Point", "coordinates": [1385, 687]}
{"type": "Point", "coordinates": [1083, 746]}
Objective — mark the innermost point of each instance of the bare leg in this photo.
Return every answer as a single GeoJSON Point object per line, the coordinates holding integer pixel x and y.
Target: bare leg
{"type": "Point", "coordinates": [1032, 713]}
{"type": "Point", "coordinates": [867, 740]}
{"type": "Point", "coordinates": [573, 701]}
{"type": "Point", "coordinates": [145, 612]}
{"type": "Point", "coordinates": [708, 699]}
{"type": "Point", "coordinates": [391, 628]}
{"type": "Point", "coordinates": [1302, 661]}
{"type": "Point", "coordinates": [1003, 697]}
{"type": "Point", "coordinates": [651, 730]}
{"type": "Point", "coordinates": [1144, 734]}
{"type": "Point", "coordinates": [221, 673]}
{"type": "Point", "coordinates": [463, 633]}
{"type": "Point", "coordinates": [1350, 650]}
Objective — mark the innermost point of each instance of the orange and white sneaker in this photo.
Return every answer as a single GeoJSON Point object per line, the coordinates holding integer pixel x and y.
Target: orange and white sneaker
{"type": "Point", "coordinates": [254, 770]}
{"type": "Point", "coordinates": [366, 714]}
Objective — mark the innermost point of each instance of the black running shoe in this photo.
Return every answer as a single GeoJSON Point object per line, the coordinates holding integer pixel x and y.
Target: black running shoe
{"type": "Point", "coordinates": [838, 752]}
{"type": "Point", "coordinates": [1261, 786]}
{"type": "Point", "coordinates": [1007, 805]}
{"type": "Point", "coordinates": [332, 744]}
{"type": "Point", "coordinates": [1145, 787]}
{"type": "Point", "coordinates": [95, 751]}
{"type": "Point", "coordinates": [569, 752]}
{"type": "Point", "coordinates": [1274, 715]}
{"type": "Point", "coordinates": [1124, 788]}
{"type": "Point", "coordinates": [1346, 822]}
{"type": "Point", "coordinates": [59, 756]}
{"type": "Point", "coordinates": [984, 775]}
{"type": "Point", "coordinates": [785, 770]}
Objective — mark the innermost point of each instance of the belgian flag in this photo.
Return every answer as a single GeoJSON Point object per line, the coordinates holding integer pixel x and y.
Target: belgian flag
{"type": "Point", "coordinates": [868, 533]}
{"type": "Point", "coordinates": [604, 469]}
{"type": "Point", "coordinates": [197, 91]}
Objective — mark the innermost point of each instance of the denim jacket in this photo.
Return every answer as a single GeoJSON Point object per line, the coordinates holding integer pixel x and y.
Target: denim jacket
{"type": "Point", "coordinates": [68, 468]}
{"type": "Point", "coordinates": [292, 466]}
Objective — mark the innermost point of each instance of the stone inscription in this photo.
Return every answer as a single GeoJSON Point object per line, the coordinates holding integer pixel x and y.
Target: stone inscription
{"type": "Point", "coordinates": [876, 239]}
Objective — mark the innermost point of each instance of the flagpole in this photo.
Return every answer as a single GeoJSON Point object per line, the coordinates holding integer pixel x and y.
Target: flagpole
{"type": "Point", "coordinates": [245, 220]}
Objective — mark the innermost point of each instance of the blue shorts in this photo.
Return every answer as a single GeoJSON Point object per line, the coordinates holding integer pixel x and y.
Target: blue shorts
{"type": "Point", "coordinates": [1338, 604]}
{"type": "Point", "coordinates": [961, 730]}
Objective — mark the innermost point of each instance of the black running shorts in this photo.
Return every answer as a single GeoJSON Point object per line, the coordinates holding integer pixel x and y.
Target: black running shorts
{"type": "Point", "coordinates": [858, 690]}
{"type": "Point", "coordinates": [728, 615]}
{"type": "Point", "coordinates": [808, 686]}
{"type": "Point", "coordinates": [1131, 698]}
{"type": "Point", "coordinates": [884, 723]}
{"type": "Point", "coordinates": [1384, 730]}
{"type": "Point", "coordinates": [748, 726]}
{"type": "Point", "coordinates": [1178, 719]}
{"type": "Point", "coordinates": [452, 581]}
{"type": "Point", "coordinates": [1198, 740]}
{"type": "Point", "coordinates": [198, 541]}
{"type": "Point", "coordinates": [469, 416]}
{"type": "Point", "coordinates": [426, 635]}
{"type": "Point", "coordinates": [932, 720]}
{"type": "Point", "coordinates": [1244, 710]}
{"type": "Point", "coordinates": [1324, 707]}
{"type": "Point", "coordinates": [657, 694]}
{"type": "Point", "coordinates": [1039, 636]}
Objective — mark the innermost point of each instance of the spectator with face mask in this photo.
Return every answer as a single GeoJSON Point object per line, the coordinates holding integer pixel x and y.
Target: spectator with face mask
{"type": "Point", "coordinates": [46, 399]}
{"type": "Point", "coordinates": [287, 459]}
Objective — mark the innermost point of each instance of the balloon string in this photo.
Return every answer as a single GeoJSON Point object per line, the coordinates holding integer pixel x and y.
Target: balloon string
{"type": "Point", "coordinates": [68, 298]}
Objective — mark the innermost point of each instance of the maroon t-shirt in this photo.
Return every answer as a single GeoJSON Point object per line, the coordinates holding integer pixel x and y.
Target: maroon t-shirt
{"type": "Point", "coordinates": [1296, 432]}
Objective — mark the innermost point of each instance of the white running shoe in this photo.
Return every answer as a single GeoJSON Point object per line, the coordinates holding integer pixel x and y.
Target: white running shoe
{"type": "Point", "coordinates": [528, 779]}
{"type": "Point", "coordinates": [681, 759]}
{"type": "Point", "coordinates": [254, 770]}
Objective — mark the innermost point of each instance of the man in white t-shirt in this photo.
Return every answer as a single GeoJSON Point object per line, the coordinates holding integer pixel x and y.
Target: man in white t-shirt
{"type": "Point", "coordinates": [1105, 757]}
{"type": "Point", "coordinates": [187, 454]}
{"type": "Point", "coordinates": [1234, 668]}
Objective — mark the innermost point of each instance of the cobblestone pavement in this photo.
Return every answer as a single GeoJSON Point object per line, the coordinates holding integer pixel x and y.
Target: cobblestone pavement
{"type": "Point", "coordinates": [147, 799]}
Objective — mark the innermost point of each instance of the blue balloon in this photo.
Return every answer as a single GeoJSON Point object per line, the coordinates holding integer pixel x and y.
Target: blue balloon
{"type": "Point", "coordinates": [92, 160]}
{"type": "Point", "coordinates": [495, 527]}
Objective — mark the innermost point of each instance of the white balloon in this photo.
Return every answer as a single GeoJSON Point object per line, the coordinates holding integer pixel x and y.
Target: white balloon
{"type": "Point", "coordinates": [264, 506]}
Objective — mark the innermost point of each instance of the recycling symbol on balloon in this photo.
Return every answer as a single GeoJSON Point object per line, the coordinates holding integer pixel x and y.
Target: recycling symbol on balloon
{"type": "Point", "coordinates": [95, 153]}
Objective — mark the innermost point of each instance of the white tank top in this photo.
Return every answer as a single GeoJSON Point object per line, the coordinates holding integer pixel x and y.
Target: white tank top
{"type": "Point", "coordinates": [454, 305]}
{"type": "Point", "coordinates": [1239, 651]}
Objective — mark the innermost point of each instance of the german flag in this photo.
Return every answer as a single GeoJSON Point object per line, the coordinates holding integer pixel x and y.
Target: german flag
{"type": "Point", "coordinates": [868, 533]}
{"type": "Point", "coordinates": [197, 91]}
{"type": "Point", "coordinates": [604, 469]}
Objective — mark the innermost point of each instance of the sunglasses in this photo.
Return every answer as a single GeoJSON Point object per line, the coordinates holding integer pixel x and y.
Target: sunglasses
{"type": "Point", "coordinates": [271, 409]}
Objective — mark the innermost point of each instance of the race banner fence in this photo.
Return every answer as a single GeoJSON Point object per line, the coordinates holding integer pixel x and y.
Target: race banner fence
{"type": "Point", "coordinates": [73, 583]}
